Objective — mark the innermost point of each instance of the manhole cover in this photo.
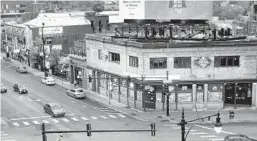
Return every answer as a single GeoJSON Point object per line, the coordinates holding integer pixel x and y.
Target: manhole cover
{"type": "Point", "coordinates": [159, 116]}
{"type": "Point", "coordinates": [133, 114]}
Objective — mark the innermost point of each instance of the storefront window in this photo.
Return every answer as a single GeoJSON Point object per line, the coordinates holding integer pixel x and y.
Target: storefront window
{"type": "Point", "coordinates": [199, 93]}
{"type": "Point", "coordinates": [215, 92]}
{"type": "Point", "coordinates": [102, 81]}
{"type": "Point", "coordinates": [184, 92]}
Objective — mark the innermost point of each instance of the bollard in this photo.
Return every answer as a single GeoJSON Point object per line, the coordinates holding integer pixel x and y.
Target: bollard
{"type": "Point", "coordinates": [231, 114]}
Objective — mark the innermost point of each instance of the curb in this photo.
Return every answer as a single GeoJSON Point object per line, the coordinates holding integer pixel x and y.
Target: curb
{"type": "Point", "coordinates": [4, 124]}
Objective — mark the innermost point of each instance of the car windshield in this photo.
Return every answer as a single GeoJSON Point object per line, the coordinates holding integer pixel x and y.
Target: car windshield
{"type": "Point", "coordinates": [49, 78]}
{"type": "Point", "coordinates": [22, 86]}
{"type": "Point", "coordinates": [80, 91]}
{"type": "Point", "coordinates": [56, 106]}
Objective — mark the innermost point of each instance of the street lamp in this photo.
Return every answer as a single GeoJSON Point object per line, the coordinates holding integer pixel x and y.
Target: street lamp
{"type": "Point", "coordinates": [43, 44]}
{"type": "Point", "coordinates": [183, 122]}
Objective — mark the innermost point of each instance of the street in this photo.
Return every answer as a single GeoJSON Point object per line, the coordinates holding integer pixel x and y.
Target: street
{"type": "Point", "coordinates": [24, 113]}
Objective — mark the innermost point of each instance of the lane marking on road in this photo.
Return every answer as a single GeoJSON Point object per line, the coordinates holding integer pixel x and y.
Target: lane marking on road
{"type": "Point", "coordinates": [112, 116]}
{"type": "Point", "coordinates": [199, 133]}
{"type": "Point", "coordinates": [16, 124]}
{"type": "Point", "coordinates": [55, 120]}
{"type": "Point", "coordinates": [217, 139]}
{"type": "Point", "coordinates": [25, 118]}
{"type": "Point", "coordinates": [75, 119]}
{"type": "Point", "coordinates": [4, 134]}
{"type": "Point", "coordinates": [103, 117]}
{"type": "Point", "coordinates": [45, 116]}
{"type": "Point", "coordinates": [105, 108]}
{"type": "Point", "coordinates": [208, 136]}
{"type": "Point", "coordinates": [176, 127]}
{"type": "Point", "coordinates": [36, 122]}
{"type": "Point", "coordinates": [84, 118]}
{"type": "Point", "coordinates": [45, 121]}
{"type": "Point", "coordinates": [65, 120]}
{"type": "Point", "coordinates": [122, 116]}
{"type": "Point", "coordinates": [26, 123]}
{"type": "Point", "coordinates": [213, 129]}
{"type": "Point", "coordinates": [70, 114]}
{"type": "Point", "coordinates": [93, 117]}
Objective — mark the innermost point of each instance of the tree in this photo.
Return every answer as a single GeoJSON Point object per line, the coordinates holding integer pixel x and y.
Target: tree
{"type": "Point", "coordinates": [54, 57]}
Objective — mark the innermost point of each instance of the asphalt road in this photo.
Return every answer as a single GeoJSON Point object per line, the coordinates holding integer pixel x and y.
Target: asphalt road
{"type": "Point", "coordinates": [24, 114]}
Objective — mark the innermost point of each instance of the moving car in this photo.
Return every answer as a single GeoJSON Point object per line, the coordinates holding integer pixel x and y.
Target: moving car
{"type": "Point", "coordinates": [238, 138]}
{"type": "Point", "coordinates": [48, 80]}
{"type": "Point", "coordinates": [54, 109]}
{"type": "Point", "coordinates": [21, 69]}
{"type": "Point", "coordinates": [20, 88]}
{"type": "Point", "coordinates": [3, 88]}
{"type": "Point", "coordinates": [76, 93]}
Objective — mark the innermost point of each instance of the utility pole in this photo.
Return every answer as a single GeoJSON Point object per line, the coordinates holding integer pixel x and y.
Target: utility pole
{"type": "Point", "coordinates": [128, 81]}
{"type": "Point", "coordinates": [43, 44]}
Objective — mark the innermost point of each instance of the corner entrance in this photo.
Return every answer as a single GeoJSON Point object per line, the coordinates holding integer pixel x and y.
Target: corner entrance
{"type": "Point", "coordinates": [238, 94]}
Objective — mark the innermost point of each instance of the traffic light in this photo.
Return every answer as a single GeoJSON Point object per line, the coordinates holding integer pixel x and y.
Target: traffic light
{"type": "Point", "coordinates": [128, 79]}
{"type": "Point", "coordinates": [89, 78]}
{"type": "Point", "coordinates": [88, 129]}
{"type": "Point", "coordinates": [166, 88]}
{"type": "Point", "coordinates": [152, 129]}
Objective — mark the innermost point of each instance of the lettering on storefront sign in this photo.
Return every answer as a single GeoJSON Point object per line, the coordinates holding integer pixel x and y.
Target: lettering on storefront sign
{"type": "Point", "coordinates": [51, 30]}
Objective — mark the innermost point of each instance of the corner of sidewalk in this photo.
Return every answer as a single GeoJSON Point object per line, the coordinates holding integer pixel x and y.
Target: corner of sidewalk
{"type": "Point", "coordinates": [4, 124]}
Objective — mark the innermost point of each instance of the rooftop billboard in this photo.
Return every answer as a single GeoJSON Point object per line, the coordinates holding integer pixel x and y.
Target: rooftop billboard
{"type": "Point", "coordinates": [166, 9]}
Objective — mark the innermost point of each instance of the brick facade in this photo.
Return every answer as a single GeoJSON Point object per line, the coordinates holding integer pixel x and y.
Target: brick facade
{"type": "Point", "coordinates": [247, 68]}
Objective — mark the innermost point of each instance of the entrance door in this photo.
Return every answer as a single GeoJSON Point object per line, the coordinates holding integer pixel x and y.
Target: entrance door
{"type": "Point", "coordinates": [242, 92]}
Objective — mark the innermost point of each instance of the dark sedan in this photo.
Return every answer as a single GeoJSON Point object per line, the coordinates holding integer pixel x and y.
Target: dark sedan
{"type": "Point", "coordinates": [54, 109]}
{"type": "Point", "coordinates": [20, 88]}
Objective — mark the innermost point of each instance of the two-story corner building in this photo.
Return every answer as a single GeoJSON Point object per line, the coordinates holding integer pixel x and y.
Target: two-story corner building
{"type": "Point", "coordinates": [209, 75]}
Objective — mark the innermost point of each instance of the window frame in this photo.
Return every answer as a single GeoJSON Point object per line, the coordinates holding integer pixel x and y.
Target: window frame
{"type": "Point", "coordinates": [133, 61]}
{"type": "Point", "coordinates": [225, 61]}
{"type": "Point", "coordinates": [114, 57]}
{"type": "Point", "coordinates": [178, 65]}
{"type": "Point", "coordinates": [158, 60]}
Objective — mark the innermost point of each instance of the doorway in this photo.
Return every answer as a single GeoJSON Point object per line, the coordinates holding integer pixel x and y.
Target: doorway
{"type": "Point", "coordinates": [239, 94]}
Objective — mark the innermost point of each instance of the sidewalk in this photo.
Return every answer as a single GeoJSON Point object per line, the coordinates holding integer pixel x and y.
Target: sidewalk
{"type": "Point", "coordinates": [241, 114]}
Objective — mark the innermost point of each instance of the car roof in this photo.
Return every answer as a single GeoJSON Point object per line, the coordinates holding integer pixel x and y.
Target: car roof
{"type": "Point", "coordinates": [76, 89]}
{"type": "Point", "coordinates": [52, 104]}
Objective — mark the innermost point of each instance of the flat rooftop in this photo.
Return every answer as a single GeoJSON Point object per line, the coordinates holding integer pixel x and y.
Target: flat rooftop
{"type": "Point", "coordinates": [167, 43]}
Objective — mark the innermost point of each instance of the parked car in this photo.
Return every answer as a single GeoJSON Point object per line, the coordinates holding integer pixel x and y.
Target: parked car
{"type": "Point", "coordinates": [21, 69]}
{"type": "Point", "coordinates": [238, 138]}
{"type": "Point", "coordinates": [76, 93]}
{"type": "Point", "coordinates": [3, 88]}
{"type": "Point", "coordinates": [54, 109]}
{"type": "Point", "coordinates": [48, 80]}
{"type": "Point", "coordinates": [20, 88]}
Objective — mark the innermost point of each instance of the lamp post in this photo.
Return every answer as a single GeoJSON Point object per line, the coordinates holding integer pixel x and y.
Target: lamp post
{"type": "Point", "coordinates": [183, 122]}
{"type": "Point", "coordinates": [43, 45]}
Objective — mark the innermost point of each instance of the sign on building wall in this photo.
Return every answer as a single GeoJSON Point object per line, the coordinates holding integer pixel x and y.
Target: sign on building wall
{"type": "Point", "coordinates": [166, 9]}
{"type": "Point", "coordinates": [51, 30]}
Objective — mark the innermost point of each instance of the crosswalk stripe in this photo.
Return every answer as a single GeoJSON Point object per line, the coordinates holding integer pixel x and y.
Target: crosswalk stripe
{"type": "Point", "coordinates": [75, 119]}
{"type": "Point", "coordinates": [16, 124]}
{"type": "Point", "coordinates": [103, 117]}
{"type": "Point", "coordinates": [65, 120]}
{"type": "Point", "coordinates": [84, 118]}
{"type": "Point", "coordinates": [208, 136]}
{"type": "Point", "coordinates": [36, 122]}
{"type": "Point", "coordinates": [176, 127]}
{"type": "Point", "coordinates": [45, 121]}
{"type": "Point", "coordinates": [199, 133]}
{"type": "Point", "coordinates": [55, 120]}
{"type": "Point", "coordinates": [93, 117]}
{"type": "Point", "coordinates": [217, 139]}
{"type": "Point", "coordinates": [10, 140]}
{"type": "Point", "coordinates": [26, 123]}
{"type": "Point", "coordinates": [122, 116]}
{"type": "Point", "coordinates": [4, 134]}
{"type": "Point", "coordinates": [112, 116]}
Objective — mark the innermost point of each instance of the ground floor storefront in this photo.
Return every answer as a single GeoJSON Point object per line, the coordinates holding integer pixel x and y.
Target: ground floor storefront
{"type": "Point", "coordinates": [77, 72]}
{"type": "Point", "coordinates": [191, 95]}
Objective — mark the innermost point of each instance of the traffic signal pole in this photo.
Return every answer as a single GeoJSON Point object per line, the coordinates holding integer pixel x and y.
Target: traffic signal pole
{"type": "Point", "coordinates": [89, 131]}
